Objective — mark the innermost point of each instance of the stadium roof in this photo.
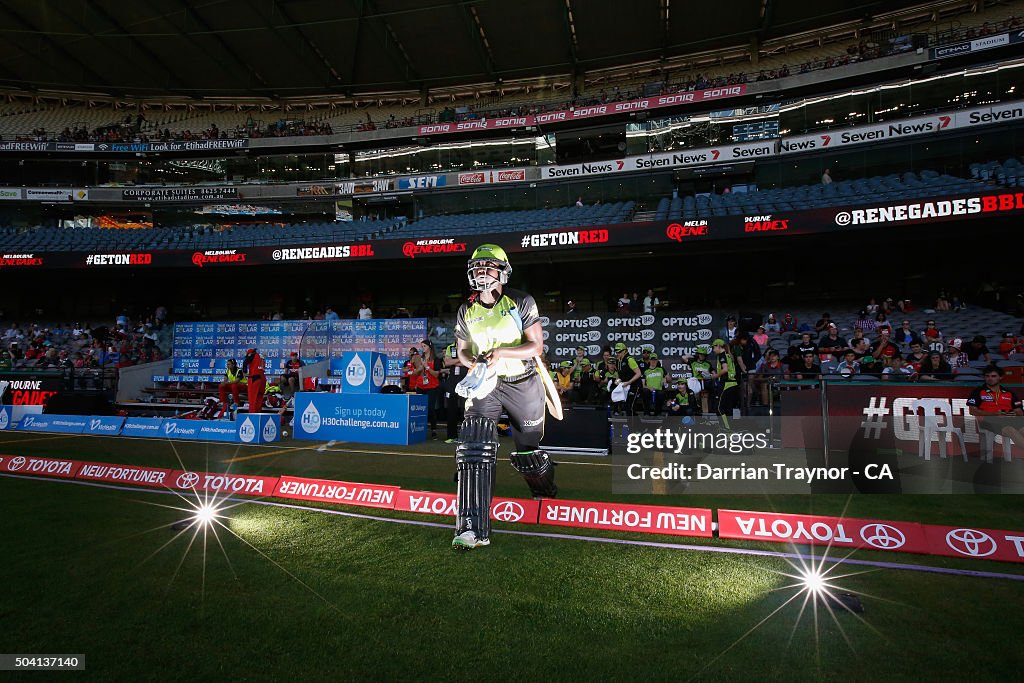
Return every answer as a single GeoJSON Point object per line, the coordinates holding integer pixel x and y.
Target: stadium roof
{"type": "Point", "coordinates": [297, 48]}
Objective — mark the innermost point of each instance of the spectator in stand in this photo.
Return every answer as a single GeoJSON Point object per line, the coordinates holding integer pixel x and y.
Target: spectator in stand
{"type": "Point", "coordinates": [806, 369]}
{"type": "Point", "coordinates": [747, 353]}
{"type": "Point", "coordinates": [331, 314]}
{"type": "Point", "coordinates": [823, 322]}
{"type": "Point", "coordinates": [905, 334]}
{"type": "Point", "coordinates": [956, 357]}
{"type": "Point", "coordinates": [849, 366]}
{"type": "Point", "coordinates": [772, 325]}
{"type": "Point", "coordinates": [728, 333]}
{"type": "Point", "coordinates": [570, 308]}
{"type": "Point", "coordinates": [364, 311]}
{"type": "Point", "coordinates": [767, 371]}
{"type": "Point", "coordinates": [882, 321]}
{"type": "Point", "coordinates": [579, 202]}
{"type": "Point", "coordinates": [931, 334]}
{"type": "Point", "coordinates": [623, 304]}
{"type": "Point", "coordinates": [977, 350]}
{"type": "Point", "coordinates": [1010, 344]}
{"type": "Point", "coordinates": [872, 307]}
{"type": "Point", "coordinates": [826, 177]}
{"type": "Point", "coordinates": [651, 302]}
{"type": "Point", "coordinates": [917, 355]}
{"type": "Point", "coordinates": [899, 370]}
{"type": "Point", "coordinates": [832, 344]}
{"type": "Point", "coordinates": [807, 345]}
{"type": "Point", "coordinates": [997, 410]}
{"type": "Point", "coordinates": [935, 368]}
{"type": "Point", "coordinates": [761, 337]}
{"type": "Point", "coordinates": [635, 303]}
{"type": "Point", "coordinates": [863, 323]}
{"type": "Point", "coordinates": [884, 348]}
{"type": "Point", "coordinates": [789, 323]}
{"type": "Point", "coordinates": [942, 302]}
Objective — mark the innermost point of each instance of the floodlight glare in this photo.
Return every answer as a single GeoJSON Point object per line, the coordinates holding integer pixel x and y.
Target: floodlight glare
{"type": "Point", "coordinates": [205, 514]}
{"type": "Point", "coordinates": [813, 581]}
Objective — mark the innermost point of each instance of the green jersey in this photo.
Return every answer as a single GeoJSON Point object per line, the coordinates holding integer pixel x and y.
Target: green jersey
{"type": "Point", "coordinates": [699, 367]}
{"type": "Point", "coordinates": [654, 378]}
{"type": "Point", "coordinates": [500, 324]}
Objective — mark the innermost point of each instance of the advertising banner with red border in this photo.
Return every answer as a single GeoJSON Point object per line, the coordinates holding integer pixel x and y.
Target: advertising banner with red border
{"type": "Point", "coordinates": [907, 537]}
{"type": "Point", "coordinates": [343, 492]}
{"type": "Point", "coordinates": [221, 482]}
{"type": "Point", "coordinates": [516, 510]}
{"type": "Point", "coordinates": [649, 519]}
{"type": "Point", "coordinates": [40, 467]}
{"type": "Point", "coordinates": [156, 477]}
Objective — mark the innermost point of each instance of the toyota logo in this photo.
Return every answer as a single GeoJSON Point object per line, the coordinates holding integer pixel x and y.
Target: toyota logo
{"type": "Point", "coordinates": [971, 542]}
{"type": "Point", "coordinates": [17, 463]}
{"type": "Point", "coordinates": [508, 511]}
{"type": "Point", "coordinates": [187, 480]}
{"type": "Point", "coordinates": [883, 536]}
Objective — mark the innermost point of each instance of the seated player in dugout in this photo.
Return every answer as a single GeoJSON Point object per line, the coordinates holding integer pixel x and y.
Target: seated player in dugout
{"type": "Point", "coordinates": [290, 377]}
{"type": "Point", "coordinates": [499, 327]}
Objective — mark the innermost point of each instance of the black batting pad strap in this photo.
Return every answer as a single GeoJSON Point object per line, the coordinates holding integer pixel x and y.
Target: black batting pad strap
{"type": "Point", "coordinates": [476, 428]}
{"type": "Point", "coordinates": [538, 471]}
{"type": "Point", "coordinates": [531, 462]}
{"type": "Point", "coordinates": [478, 438]}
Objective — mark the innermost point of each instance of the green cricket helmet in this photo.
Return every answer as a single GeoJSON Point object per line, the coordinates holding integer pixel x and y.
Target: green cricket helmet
{"type": "Point", "coordinates": [703, 350]}
{"type": "Point", "coordinates": [485, 257]}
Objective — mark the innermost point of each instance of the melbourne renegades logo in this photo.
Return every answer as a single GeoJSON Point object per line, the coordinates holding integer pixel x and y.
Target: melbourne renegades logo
{"type": "Point", "coordinates": [678, 231]}
{"type": "Point", "coordinates": [201, 258]}
{"type": "Point", "coordinates": [442, 246]}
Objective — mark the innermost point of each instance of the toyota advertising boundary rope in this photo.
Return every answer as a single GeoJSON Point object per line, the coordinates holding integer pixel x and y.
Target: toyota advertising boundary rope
{"type": "Point", "coordinates": [891, 536]}
{"type": "Point", "coordinates": [749, 552]}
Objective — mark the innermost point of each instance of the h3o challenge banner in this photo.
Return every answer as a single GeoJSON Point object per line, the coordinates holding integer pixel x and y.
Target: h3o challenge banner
{"type": "Point", "coordinates": [205, 347]}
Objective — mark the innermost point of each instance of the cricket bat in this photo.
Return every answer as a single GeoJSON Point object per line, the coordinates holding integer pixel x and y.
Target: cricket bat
{"type": "Point", "coordinates": [551, 399]}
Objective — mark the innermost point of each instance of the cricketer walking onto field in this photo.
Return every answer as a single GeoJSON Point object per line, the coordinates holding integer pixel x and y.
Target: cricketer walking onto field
{"type": "Point", "coordinates": [499, 336]}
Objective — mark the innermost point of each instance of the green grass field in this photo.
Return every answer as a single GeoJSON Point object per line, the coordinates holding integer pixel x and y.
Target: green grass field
{"type": "Point", "coordinates": [297, 595]}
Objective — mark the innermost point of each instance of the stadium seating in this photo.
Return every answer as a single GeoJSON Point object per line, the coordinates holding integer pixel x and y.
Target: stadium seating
{"type": "Point", "coordinates": [888, 188]}
{"type": "Point", "coordinates": [893, 187]}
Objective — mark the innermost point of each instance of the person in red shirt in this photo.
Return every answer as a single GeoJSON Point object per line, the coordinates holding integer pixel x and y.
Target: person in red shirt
{"type": "Point", "coordinates": [253, 367]}
{"type": "Point", "coordinates": [997, 409]}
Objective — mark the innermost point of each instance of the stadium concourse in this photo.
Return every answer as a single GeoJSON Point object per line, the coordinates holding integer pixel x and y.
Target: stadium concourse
{"type": "Point", "coordinates": [698, 325]}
